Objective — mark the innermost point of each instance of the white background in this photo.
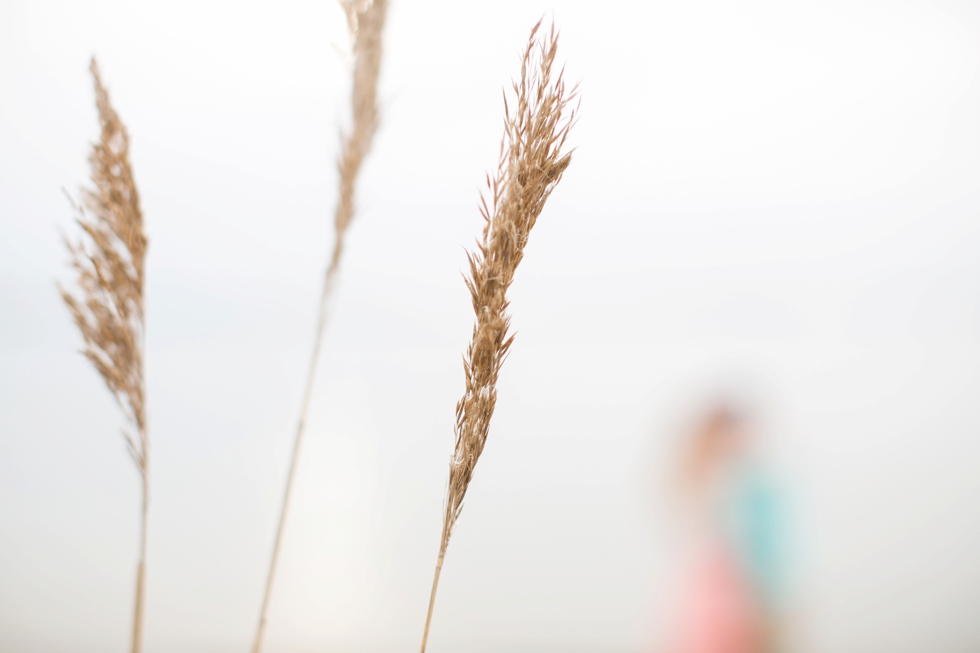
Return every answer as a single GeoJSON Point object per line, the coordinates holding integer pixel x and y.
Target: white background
{"type": "Point", "coordinates": [777, 199]}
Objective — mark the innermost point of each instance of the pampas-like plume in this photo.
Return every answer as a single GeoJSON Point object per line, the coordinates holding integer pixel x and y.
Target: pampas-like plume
{"type": "Point", "coordinates": [531, 164]}
{"type": "Point", "coordinates": [109, 310]}
{"type": "Point", "coordinates": [365, 20]}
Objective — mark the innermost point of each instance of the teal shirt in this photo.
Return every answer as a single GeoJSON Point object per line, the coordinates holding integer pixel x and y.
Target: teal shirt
{"type": "Point", "coordinates": [756, 523]}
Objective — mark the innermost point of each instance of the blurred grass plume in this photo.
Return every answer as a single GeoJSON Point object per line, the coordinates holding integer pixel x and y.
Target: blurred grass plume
{"type": "Point", "coordinates": [108, 308]}
{"type": "Point", "coordinates": [365, 21]}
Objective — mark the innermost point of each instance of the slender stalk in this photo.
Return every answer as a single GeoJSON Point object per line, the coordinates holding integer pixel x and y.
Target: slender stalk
{"type": "Point", "coordinates": [432, 596]}
{"type": "Point", "coordinates": [141, 571]}
{"type": "Point", "coordinates": [297, 442]}
{"type": "Point", "coordinates": [366, 21]}
{"type": "Point", "coordinates": [144, 467]}
{"type": "Point", "coordinates": [531, 164]}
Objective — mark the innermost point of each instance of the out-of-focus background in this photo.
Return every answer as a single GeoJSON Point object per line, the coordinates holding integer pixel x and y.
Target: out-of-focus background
{"type": "Point", "coordinates": [774, 201]}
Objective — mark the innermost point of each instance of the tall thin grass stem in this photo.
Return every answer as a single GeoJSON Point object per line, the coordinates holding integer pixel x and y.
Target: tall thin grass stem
{"type": "Point", "coordinates": [365, 19]}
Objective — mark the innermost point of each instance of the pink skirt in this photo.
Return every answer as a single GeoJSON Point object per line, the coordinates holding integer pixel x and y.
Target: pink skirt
{"type": "Point", "coordinates": [717, 610]}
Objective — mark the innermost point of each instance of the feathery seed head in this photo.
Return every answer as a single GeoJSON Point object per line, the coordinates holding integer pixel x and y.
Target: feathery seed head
{"type": "Point", "coordinates": [365, 18]}
{"type": "Point", "coordinates": [109, 265]}
{"type": "Point", "coordinates": [531, 163]}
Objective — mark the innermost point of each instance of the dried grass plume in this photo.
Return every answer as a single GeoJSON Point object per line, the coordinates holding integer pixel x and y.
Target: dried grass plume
{"type": "Point", "coordinates": [109, 307]}
{"type": "Point", "coordinates": [365, 20]}
{"type": "Point", "coordinates": [531, 163]}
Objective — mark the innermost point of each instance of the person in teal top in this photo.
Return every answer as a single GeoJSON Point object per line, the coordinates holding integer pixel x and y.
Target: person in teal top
{"type": "Point", "coordinates": [757, 526]}
{"type": "Point", "coordinates": [732, 561]}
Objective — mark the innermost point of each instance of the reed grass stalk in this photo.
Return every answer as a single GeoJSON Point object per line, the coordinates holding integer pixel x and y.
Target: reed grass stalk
{"type": "Point", "coordinates": [531, 163]}
{"type": "Point", "coordinates": [365, 20]}
{"type": "Point", "coordinates": [108, 309]}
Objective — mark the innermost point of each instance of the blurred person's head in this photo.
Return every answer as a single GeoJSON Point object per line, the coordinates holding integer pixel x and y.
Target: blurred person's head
{"type": "Point", "coordinates": [720, 436]}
